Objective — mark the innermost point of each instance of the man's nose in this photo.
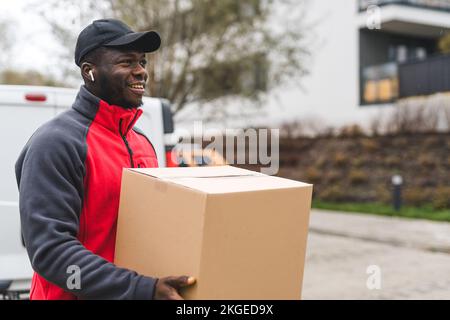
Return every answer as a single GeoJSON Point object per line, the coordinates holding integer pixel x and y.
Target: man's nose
{"type": "Point", "coordinates": [140, 71]}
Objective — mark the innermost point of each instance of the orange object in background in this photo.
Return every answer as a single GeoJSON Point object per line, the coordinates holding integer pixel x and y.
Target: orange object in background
{"type": "Point", "coordinates": [383, 90]}
{"type": "Point", "coordinates": [192, 155]}
{"type": "Point", "coordinates": [170, 161]}
{"type": "Point", "coordinates": [370, 91]}
{"type": "Point", "coordinates": [386, 90]}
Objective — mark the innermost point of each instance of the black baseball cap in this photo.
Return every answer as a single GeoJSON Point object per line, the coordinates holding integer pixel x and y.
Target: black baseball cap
{"type": "Point", "coordinates": [113, 33]}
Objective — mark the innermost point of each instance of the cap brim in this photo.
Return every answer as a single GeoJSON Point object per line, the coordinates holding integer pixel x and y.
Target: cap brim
{"type": "Point", "coordinates": [148, 41]}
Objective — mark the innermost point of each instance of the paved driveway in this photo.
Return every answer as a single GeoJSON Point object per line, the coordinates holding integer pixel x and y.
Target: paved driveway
{"type": "Point", "coordinates": [410, 258]}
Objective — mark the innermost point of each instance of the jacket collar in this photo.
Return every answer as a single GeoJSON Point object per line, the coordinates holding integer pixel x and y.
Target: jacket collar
{"type": "Point", "coordinates": [115, 118]}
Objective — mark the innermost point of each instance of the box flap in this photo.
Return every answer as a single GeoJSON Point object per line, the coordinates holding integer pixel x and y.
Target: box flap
{"type": "Point", "coordinates": [220, 179]}
{"type": "Point", "coordinates": [233, 184]}
{"type": "Point", "coordinates": [196, 172]}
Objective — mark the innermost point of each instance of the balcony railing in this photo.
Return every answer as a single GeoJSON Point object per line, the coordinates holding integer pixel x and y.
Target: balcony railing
{"type": "Point", "coordinates": [442, 5]}
{"type": "Point", "coordinates": [424, 77]}
{"type": "Point", "coordinates": [385, 83]}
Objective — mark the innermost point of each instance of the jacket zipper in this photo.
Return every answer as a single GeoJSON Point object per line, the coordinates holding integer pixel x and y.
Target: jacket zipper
{"type": "Point", "coordinates": [130, 152]}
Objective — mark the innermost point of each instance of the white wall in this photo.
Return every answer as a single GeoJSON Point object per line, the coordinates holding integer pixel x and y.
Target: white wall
{"type": "Point", "coordinates": [331, 88]}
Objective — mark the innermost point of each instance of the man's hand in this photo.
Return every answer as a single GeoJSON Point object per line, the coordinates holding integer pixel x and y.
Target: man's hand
{"type": "Point", "coordinates": [168, 288]}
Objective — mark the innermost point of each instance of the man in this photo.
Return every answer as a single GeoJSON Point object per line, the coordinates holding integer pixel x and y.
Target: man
{"type": "Point", "coordinates": [69, 174]}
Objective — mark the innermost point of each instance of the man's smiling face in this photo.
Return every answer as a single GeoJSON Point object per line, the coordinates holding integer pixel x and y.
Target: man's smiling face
{"type": "Point", "coordinates": [121, 77]}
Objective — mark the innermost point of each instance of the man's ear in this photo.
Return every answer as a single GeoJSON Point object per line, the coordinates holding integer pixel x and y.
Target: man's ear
{"type": "Point", "coordinates": [88, 71]}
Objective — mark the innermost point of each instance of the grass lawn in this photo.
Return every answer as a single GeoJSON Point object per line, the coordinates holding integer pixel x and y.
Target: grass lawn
{"type": "Point", "coordinates": [426, 212]}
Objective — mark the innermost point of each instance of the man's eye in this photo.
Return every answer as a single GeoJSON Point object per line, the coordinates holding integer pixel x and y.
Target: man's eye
{"type": "Point", "coordinates": [126, 62]}
{"type": "Point", "coordinates": [143, 63]}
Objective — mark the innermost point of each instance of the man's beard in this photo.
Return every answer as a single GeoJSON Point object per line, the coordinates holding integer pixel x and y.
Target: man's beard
{"type": "Point", "coordinates": [110, 95]}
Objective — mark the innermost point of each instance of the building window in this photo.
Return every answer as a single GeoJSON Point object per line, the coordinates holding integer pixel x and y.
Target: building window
{"type": "Point", "coordinates": [421, 53]}
{"type": "Point", "coordinates": [380, 84]}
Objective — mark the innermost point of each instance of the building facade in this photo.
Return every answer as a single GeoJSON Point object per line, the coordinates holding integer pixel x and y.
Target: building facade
{"type": "Point", "coordinates": [366, 54]}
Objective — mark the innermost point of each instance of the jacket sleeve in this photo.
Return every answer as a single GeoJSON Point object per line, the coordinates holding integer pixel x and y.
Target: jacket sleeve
{"type": "Point", "coordinates": [50, 173]}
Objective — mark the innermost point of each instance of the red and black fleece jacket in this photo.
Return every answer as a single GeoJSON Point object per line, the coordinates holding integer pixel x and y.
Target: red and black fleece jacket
{"type": "Point", "coordinates": [69, 177]}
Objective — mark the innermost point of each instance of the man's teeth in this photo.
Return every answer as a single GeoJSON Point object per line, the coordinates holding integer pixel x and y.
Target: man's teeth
{"type": "Point", "coordinates": [137, 86]}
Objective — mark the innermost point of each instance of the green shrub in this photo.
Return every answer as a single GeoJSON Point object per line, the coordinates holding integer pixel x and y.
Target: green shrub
{"type": "Point", "coordinates": [358, 177]}
{"type": "Point", "coordinates": [340, 159]}
{"type": "Point", "coordinates": [433, 141]}
{"type": "Point", "coordinates": [426, 160]}
{"type": "Point", "coordinates": [370, 145]}
{"type": "Point", "coordinates": [415, 196]}
{"type": "Point", "coordinates": [313, 175]}
{"type": "Point", "coordinates": [392, 161]}
{"type": "Point", "coordinates": [401, 142]}
{"type": "Point", "coordinates": [358, 162]}
{"type": "Point", "coordinates": [444, 43]}
{"type": "Point", "coordinates": [333, 176]}
{"type": "Point", "coordinates": [351, 131]}
{"type": "Point", "coordinates": [321, 162]}
{"type": "Point", "coordinates": [383, 194]}
{"type": "Point", "coordinates": [441, 198]}
{"type": "Point", "coordinates": [332, 193]}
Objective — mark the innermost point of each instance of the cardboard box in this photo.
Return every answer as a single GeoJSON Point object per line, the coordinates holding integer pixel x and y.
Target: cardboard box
{"type": "Point", "coordinates": [242, 234]}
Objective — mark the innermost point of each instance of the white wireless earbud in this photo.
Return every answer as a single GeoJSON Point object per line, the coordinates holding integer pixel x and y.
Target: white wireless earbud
{"type": "Point", "coordinates": [92, 75]}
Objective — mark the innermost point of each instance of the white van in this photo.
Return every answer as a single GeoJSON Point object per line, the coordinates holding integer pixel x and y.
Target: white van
{"type": "Point", "coordinates": [22, 110]}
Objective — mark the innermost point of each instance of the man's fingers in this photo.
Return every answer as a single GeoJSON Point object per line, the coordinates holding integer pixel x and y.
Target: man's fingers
{"type": "Point", "coordinates": [190, 281]}
{"type": "Point", "coordinates": [179, 282]}
{"type": "Point", "coordinates": [169, 286]}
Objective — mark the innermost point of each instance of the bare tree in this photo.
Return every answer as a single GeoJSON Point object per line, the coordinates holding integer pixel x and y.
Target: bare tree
{"type": "Point", "coordinates": [66, 19]}
{"type": "Point", "coordinates": [29, 77]}
{"type": "Point", "coordinates": [6, 41]}
{"type": "Point", "coordinates": [419, 114]}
